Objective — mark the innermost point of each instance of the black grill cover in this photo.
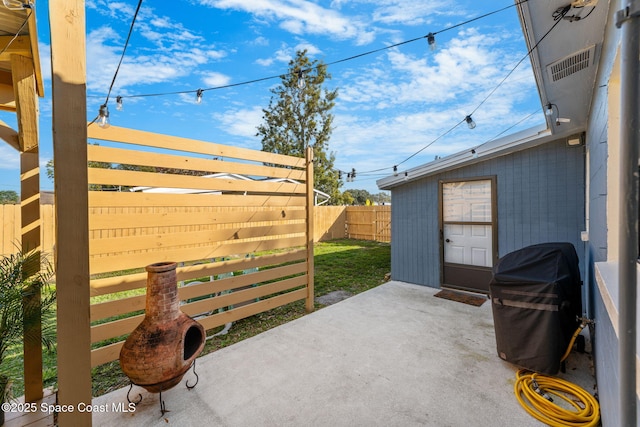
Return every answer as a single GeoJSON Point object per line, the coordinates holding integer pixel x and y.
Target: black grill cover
{"type": "Point", "coordinates": [536, 301]}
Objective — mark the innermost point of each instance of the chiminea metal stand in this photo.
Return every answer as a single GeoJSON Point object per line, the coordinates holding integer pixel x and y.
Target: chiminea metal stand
{"type": "Point", "coordinates": [163, 409]}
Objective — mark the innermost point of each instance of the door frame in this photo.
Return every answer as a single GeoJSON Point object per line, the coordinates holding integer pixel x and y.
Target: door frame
{"type": "Point", "coordinates": [467, 272]}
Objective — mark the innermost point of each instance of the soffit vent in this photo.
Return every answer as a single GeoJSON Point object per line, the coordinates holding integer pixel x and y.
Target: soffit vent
{"type": "Point", "coordinates": [572, 64]}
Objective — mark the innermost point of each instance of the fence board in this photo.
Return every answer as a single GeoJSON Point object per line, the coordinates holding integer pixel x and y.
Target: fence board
{"type": "Point", "coordinates": [133, 281]}
{"type": "Point", "coordinates": [329, 222]}
{"type": "Point", "coordinates": [124, 261]}
{"type": "Point", "coordinates": [124, 219]}
{"type": "Point", "coordinates": [138, 137]}
{"type": "Point", "coordinates": [170, 180]}
{"type": "Point", "coordinates": [11, 233]}
{"type": "Point", "coordinates": [130, 304]}
{"type": "Point", "coordinates": [124, 199]}
{"type": "Point", "coordinates": [112, 351]}
{"type": "Point", "coordinates": [98, 153]}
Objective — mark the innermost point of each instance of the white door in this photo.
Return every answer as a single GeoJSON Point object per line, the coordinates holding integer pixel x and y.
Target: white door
{"type": "Point", "coordinates": [468, 244]}
{"type": "Point", "coordinates": [467, 233]}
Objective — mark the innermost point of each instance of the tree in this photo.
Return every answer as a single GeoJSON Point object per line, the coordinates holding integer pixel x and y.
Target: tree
{"type": "Point", "coordinates": [299, 116]}
{"type": "Point", "coordinates": [360, 196]}
{"type": "Point", "coordinates": [9, 197]}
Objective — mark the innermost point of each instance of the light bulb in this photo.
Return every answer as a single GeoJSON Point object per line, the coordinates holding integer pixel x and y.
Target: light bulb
{"type": "Point", "coordinates": [470, 122]}
{"type": "Point", "coordinates": [431, 39]}
{"type": "Point", "coordinates": [119, 103]}
{"type": "Point", "coordinates": [549, 110]}
{"type": "Point", "coordinates": [199, 96]}
{"type": "Point", "coordinates": [395, 171]}
{"type": "Point", "coordinates": [474, 153]}
{"type": "Point", "coordinates": [301, 82]}
{"type": "Point", "coordinates": [103, 117]}
{"type": "Point", "coordinates": [16, 4]}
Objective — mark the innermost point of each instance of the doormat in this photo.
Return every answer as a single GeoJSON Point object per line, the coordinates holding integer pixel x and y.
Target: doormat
{"type": "Point", "coordinates": [461, 297]}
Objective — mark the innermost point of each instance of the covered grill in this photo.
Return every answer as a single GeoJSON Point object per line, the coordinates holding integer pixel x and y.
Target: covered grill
{"type": "Point", "coordinates": [536, 301]}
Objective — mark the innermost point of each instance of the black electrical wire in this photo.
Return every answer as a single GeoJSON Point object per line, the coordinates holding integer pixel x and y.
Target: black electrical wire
{"type": "Point", "coordinates": [421, 150]}
{"type": "Point", "coordinates": [562, 12]}
{"type": "Point", "coordinates": [15, 36]}
{"type": "Point", "coordinates": [458, 124]}
{"type": "Point", "coordinates": [328, 64]}
{"type": "Point", "coordinates": [126, 44]}
{"type": "Point", "coordinates": [558, 15]}
{"type": "Point", "coordinates": [124, 50]}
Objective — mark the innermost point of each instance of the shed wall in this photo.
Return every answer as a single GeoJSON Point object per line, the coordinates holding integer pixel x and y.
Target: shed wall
{"type": "Point", "coordinates": [540, 194]}
{"type": "Point", "coordinates": [602, 139]}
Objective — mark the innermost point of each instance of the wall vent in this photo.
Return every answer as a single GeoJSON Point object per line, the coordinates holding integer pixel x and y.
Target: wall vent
{"type": "Point", "coordinates": [572, 64]}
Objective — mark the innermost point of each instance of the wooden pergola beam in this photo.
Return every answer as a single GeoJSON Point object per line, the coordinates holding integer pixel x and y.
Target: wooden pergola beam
{"type": "Point", "coordinates": [33, 41]}
{"type": "Point", "coordinates": [68, 64]}
{"type": "Point", "coordinates": [20, 46]}
{"type": "Point", "coordinates": [24, 87]}
{"type": "Point", "coordinates": [9, 135]}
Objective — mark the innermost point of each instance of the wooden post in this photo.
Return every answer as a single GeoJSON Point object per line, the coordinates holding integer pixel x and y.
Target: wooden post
{"type": "Point", "coordinates": [68, 64]}
{"type": "Point", "coordinates": [310, 207]}
{"type": "Point", "coordinates": [24, 86]}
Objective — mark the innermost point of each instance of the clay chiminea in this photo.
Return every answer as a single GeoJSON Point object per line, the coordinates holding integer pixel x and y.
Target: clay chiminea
{"type": "Point", "coordinates": [163, 347]}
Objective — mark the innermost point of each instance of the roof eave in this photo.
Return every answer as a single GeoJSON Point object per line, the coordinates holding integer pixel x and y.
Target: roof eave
{"type": "Point", "coordinates": [523, 140]}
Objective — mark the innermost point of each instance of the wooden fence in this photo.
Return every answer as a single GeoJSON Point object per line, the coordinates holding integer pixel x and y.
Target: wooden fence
{"type": "Point", "coordinates": [10, 234]}
{"type": "Point", "coordinates": [244, 244]}
{"type": "Point", "coordinates": [330, 222]}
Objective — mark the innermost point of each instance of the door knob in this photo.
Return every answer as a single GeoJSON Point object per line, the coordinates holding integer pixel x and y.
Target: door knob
{"type": "Point", "coordinates": [448, 241]}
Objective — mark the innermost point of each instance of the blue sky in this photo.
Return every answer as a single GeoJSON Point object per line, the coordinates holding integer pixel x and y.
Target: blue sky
{"type": "Point", "coordinates": [391, 104]}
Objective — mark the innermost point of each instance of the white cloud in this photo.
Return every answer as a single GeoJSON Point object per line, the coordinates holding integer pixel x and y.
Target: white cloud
{"type": "Point", "coordinates": [300, 17]}
{"type": "Point", "coordinates": [214, 79]}
{"type": "Point", "coordinates": [286, 53]}
{"type": "Point", "coordinates": [241, 122]}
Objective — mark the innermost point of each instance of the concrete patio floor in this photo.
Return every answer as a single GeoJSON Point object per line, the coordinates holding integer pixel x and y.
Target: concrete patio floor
{"type": "Point", "coordinates": [392, 356]}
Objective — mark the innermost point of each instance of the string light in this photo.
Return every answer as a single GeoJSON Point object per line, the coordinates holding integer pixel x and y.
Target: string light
{"type": "Point", "coordinates": [103, 114]}
{"type": "Point", "coordinates": [395, 170]}
{"type": "Point", "coordinates": [301, 82]}
{"type": "Point", "coordinates": [549, 109]}
{"type": "Point", "coordinates": [103, 117]}
{"type": "Point", "coordinates": [119, 103]}
{"type": "Point", "coordinates": [470, 122]}
{"type": "Point", "coordinates": [17, 4]}
{"type": "Point", "coordinates": [431, 39]}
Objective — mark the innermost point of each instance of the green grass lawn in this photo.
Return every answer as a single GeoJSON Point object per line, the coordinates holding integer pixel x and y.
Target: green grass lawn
{"type": "Point", "coordinates": [353, 266]}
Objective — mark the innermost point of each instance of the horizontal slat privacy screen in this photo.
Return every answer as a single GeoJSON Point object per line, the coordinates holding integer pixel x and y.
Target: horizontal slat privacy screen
{"type": "Point", "coordinates": [235, 220]}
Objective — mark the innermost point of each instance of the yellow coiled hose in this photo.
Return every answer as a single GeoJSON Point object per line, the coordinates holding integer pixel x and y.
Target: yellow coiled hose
{"type": "Point", "coordinates": [535, 393]}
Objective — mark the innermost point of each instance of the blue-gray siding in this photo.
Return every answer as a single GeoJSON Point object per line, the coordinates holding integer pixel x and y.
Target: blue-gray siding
{"type": "Point", "coordinates": [540, 198]}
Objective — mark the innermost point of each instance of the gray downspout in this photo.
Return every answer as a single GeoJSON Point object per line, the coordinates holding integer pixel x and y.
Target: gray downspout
{"type": "Point", "coordinates": [628, 19]}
